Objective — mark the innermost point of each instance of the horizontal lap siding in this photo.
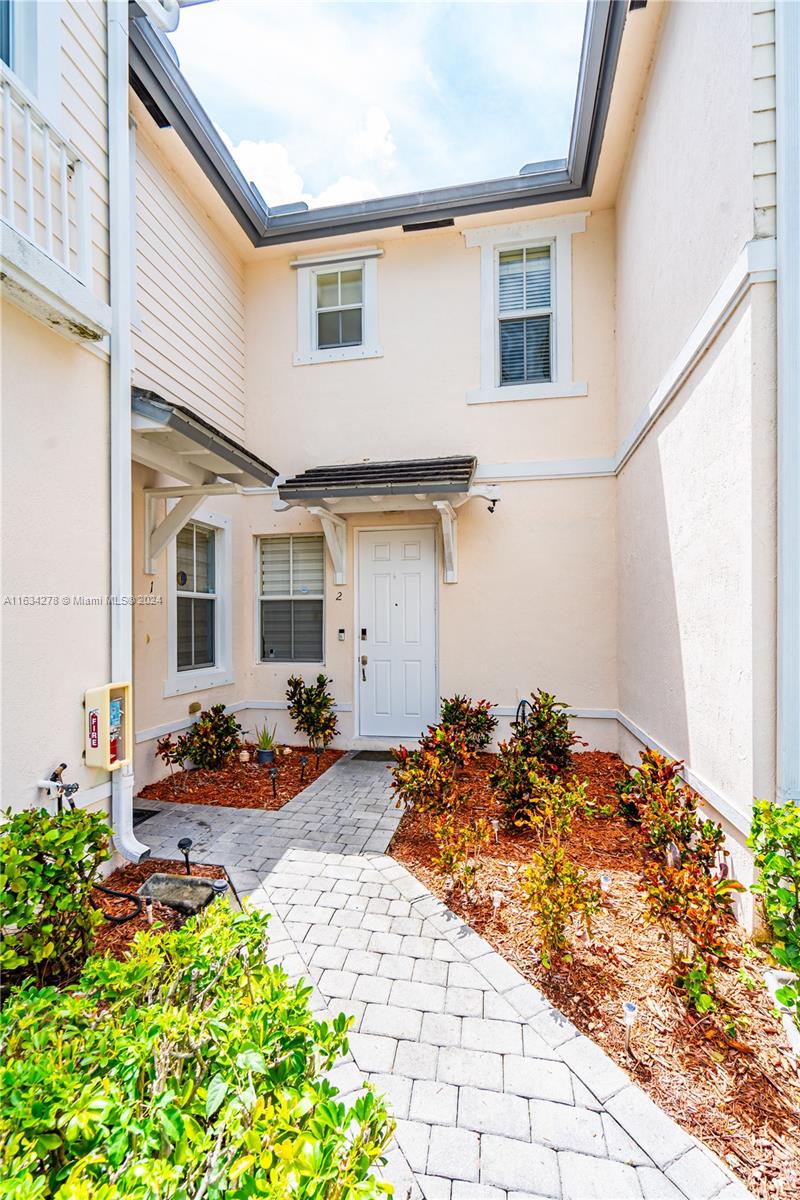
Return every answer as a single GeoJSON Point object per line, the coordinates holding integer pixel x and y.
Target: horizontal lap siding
{"type": "Point", "coordinates": [189, 340]}
{"type": "Point", "coordinates": [764, 185]}
{"type": "Point", "coordinates": [84, 106]}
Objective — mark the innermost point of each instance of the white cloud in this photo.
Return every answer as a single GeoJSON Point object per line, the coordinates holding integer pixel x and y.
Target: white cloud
{"type": "Point", "coordinates": [335, 101]}
{"type": "Point", "coordinates": [374, 142]}
{"type": "Point", "coordinates": [268, 166]}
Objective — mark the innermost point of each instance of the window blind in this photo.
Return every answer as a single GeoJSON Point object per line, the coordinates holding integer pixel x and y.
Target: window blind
{"type": "Point", "coordinates": [292, 584]}
{"type": "Point", "coordinates": [525, 289]}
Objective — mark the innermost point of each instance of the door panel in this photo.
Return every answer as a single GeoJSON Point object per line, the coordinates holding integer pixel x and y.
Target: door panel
{"type": "Point", "coordinates": [397, 591]}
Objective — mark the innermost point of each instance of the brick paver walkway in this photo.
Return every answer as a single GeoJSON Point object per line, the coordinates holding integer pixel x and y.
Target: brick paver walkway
{"type": "Point", "coordinates": [497, 1096]}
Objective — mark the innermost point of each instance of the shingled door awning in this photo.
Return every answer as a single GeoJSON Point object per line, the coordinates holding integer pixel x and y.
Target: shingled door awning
{"type": "Point", "coordinates": [330, 492]}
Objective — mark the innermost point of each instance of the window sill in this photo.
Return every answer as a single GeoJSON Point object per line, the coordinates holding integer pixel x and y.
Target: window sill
{"type": "Point", "coordinates": [196, 681]}
{"type": "Point", "coordinates": [317, 664]}
{"type": "Point", "coordinates": [345, 354]}
{"type": "Point", "coordinates": [527, 391]}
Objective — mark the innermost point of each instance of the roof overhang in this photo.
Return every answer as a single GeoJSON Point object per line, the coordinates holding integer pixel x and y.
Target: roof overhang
{"type": "Point", "coordinates": [174, 440]}
{"type": "Point", "coordinates": [157, 79]}
{"type": "Point", "coordinates": [206, 462]}
{"type": "Point", "coordinates": [440, 485]}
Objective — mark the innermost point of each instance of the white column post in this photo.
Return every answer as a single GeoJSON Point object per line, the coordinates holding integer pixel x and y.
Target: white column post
{"type": "Point", "coordinates": [787, 78]}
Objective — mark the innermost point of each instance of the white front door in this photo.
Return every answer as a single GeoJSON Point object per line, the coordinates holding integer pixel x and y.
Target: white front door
{"type": "Point", "coordinates": [396, 632]}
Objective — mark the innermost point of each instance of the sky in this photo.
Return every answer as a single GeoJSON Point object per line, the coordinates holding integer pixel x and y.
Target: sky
{"type": "Point", "coordinates": [332, 102]}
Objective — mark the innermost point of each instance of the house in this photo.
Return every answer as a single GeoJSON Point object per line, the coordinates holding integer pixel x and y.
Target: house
{"type": "Point", "coordinates": [536, 431]}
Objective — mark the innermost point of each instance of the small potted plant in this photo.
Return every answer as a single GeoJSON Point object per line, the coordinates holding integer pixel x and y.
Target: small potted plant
{"type": "Point", "coordinates": [265, 745]}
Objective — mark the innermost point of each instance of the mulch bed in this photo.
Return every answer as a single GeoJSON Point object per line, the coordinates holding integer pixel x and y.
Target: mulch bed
{"type": "Point", "coordinates": [244, 784]}
{"type": "Point", "coordinates": [740, 1094]}
{"type": "Point", "coordinates": [114, 939]}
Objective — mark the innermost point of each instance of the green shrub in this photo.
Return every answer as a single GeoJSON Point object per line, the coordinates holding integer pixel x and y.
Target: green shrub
{"type": "Point", "coordinates": [683, 877]}
{"type": "Point", "coordinates": [424, 780]}
{"type": "Point", "coordinates": [190, 1069]}
{"type": "Point", "coordinates": [557, 891]}
{"type": "Point", "coordinates": [540, 744]}
{"type": "Point", "coordinates": [545, 733]}
{"type": "Point", "coordinates": [511, 778]}
{"type": "Point", "coordinates": [775, 837]}
{"type": "Point", "coordinates": [459, 848]}
{"type": "Point", "coordinates": [49, 862]}
{"type": "Point", "coordinates": [477, 720]}
{"type": "Point", "coordinates": [212, 739]}
{"type": "Point", "coordinates": [311, 709]}
{"type": "Point", "coordinates": [448, 742]}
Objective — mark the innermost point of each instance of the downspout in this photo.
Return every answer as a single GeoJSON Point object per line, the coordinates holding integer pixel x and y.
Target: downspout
{"type": "Point", "coordinates": [121, 363]}
{"type": "Point", "coordinates": [787, 80]}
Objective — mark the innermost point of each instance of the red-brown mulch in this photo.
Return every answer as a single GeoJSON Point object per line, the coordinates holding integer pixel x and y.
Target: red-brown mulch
{"type": "Point", "coordinates": [115, 939]}
{"type": "Point", "coordinates": [739, 1094]}
{"type": "Point", "coordinates": [244, 784]}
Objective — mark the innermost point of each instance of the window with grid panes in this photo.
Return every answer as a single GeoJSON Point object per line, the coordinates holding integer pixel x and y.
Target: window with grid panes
{"type": "Point", "coordinates": [525, 315]}
{"type": "Point", "coordinates": [340, 308]}
{"type": "Point", "coordinates": [292, 581]}
{"type": "Point", "coordinates": [195, 584]}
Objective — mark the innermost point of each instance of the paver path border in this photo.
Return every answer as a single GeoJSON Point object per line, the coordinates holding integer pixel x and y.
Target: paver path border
{"type": "Point", "coordinates": [497, 1095]}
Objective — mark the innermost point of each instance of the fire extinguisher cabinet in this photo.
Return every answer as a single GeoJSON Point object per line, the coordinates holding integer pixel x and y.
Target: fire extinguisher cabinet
{"type": "Point", "coordinates": [108, 726]}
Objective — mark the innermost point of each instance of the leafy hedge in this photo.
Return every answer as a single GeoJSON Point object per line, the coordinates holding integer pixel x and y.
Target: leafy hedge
{"type": "Point", "coordinates": [192, 1069]}
{"type": "Point", "coordinates": [47, 916]}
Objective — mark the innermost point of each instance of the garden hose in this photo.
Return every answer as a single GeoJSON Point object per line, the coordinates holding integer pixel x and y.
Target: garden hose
{"type": "Point", "coordinates": [134, 899]}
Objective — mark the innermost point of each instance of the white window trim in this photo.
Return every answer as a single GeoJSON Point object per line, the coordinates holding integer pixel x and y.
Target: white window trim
{"type": "Point", "coordinates": [556, 232]}
{"type": "Point", "coordinates": [36, 54]}
{"type": "Point", "coordinates": [307, 272]}
{"type": "Point", "coordinates": [181, 683]}
{"type": "Point", "coordinates": [312, 664]}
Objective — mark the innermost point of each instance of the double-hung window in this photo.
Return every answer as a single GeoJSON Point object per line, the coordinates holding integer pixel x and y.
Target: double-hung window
{"type": "Point", "coordinates": [526, 310]}
{"type": "Point", "coordinates": [337, 307]}
{"type": "Point", "coordinates": [196, 601]}
{"type": "Point", "coordinates": [292, 582]}
{"type": "Point", "coordinates": [525, 315]}
{"type": "Point", "coordinates": [340, 308]}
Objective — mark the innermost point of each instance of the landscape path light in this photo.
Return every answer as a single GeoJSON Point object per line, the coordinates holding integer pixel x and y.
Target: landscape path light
{"type": "Point", "coordinates": [185, 845]}
{"type": "Point", "coordinates": [630, 1015]}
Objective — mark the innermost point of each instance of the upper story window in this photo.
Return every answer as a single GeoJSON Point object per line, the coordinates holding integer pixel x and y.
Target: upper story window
{"type": "Point", "coordinates": [337, 307]}
{"type": "Point", "coordinates": [292, 583]}
{"type": "Point", "coordinates": [340, 308]}
{"type": "Point", "coordinates": [30, 44]}
{"type": "Point", "coordinates": [525, 315]}
{"type": "Point", "coordinates": [526, 310]}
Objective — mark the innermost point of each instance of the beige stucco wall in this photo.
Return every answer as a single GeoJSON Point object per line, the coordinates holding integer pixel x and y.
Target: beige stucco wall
{"type": "Point", "coordinates": [685, 207]}
{"type": "Point", "coordinates": [696, 501]}
{"type": "Point", "coordinates": [55, 532]}
{"type": "Point", "coordinates": [412, 400]}
{"type": "Point", "coordinates": [534, 603]}
{"type": "Point", "coordinates": [536, 595]}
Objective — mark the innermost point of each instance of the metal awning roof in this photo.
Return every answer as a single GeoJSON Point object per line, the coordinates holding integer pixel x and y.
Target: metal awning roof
{"type": "Point", "coordinates": [176, 441]}
{"type": "Point", "coordinates": [409, 477]}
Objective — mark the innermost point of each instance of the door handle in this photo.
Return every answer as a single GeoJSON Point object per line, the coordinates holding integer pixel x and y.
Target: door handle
{"type": "Point", "coordinates": [363, 665]}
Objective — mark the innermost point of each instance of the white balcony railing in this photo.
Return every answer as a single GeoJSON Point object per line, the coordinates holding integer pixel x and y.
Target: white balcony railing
{"type": "Point", "coordinates": [44, 182]}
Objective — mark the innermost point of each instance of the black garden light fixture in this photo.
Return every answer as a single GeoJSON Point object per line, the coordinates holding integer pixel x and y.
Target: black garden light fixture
{"type": "Point", "coordinates": [273, 774]}
{"type": "Point", "coordinates": [303, 765]}
{"type": "Point", "coordinates": [185, 845]}
{"type": "Point", "coordinates": [318, 755]}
